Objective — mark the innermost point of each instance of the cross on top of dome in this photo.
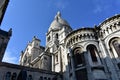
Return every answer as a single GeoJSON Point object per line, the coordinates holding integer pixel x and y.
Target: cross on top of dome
{"type": "Point", "coordinates": [58, 15]}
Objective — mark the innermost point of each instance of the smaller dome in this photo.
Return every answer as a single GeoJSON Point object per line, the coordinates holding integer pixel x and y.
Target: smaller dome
{"type": "Point", "coordinates": [58, 22]}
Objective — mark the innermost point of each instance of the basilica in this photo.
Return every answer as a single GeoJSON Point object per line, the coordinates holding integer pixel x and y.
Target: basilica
{"type": "Point", "coordinates": [89, 53]}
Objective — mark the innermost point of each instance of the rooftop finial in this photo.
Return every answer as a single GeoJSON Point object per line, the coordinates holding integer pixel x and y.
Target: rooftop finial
{"type": "Point", "coordinates": [10, 32]}
{"type": "Point", "coordinates": [34, 37]}
{"type": "Point", "coordinates": [58, 13]}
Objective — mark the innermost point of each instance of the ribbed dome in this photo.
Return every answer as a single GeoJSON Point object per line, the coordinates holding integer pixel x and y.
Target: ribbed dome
{"type": "Point", "coordinates": [58, 22]}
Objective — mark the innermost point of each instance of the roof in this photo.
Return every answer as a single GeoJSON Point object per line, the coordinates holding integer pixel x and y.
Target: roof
{"type": "Point", "coordinates": [80, 29]}
{"type": "Point", "coordinates": [109, 19]}
{"type": "Point", "coordinates": [5, 33]}
{"type": "Point", "coordinates": [58, 22]}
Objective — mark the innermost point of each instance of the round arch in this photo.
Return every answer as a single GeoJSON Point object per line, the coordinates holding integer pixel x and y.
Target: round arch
{"type": "Point", "coordinates": [108, 39]}
{"type": "Point", "coordinates": [78, 56]}
{"type": "Point", "coordinates": [91, 43]}
{"type": "Point", "coordinates": [92, 49]}
{"type": "Point", "coordinates": [114, 46]}
{"type": "Point", "coordinates": [77, 46]}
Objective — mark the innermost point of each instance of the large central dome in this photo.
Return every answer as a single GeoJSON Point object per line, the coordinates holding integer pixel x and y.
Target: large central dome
{"type": "Point", "coordinates": [58, 22]}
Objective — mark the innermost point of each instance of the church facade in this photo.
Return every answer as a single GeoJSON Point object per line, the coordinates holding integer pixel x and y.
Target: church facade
{"type": "Point", "coordinates": [83, 54]}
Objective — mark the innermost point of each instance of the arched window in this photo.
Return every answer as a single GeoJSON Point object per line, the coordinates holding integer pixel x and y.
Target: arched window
{"type": "Point", "coordinates": [69, 61]}
{"type": "Point", "coordinates": [29, 59]}
{"type": "Point", "coordinates": [93, 51]}
{"type": "Point", "coordinates": [30, 77]}
{"type": "Point", "coordinates": [22, 75]}
{"type": "Point", "coordinates": [45, 78]}
{"type": "Point", "coordinates": [41, 78]}
{"type": "Point", "coordinates": [48, 39]}
{"type": "Point", "coordinates": [115, 46]}
{"type": "Point", "coordinates": [56, 57]}
{"type": "Point", "coordinates": [49, 78]}
{"type": "Point", "coordinates": [25, 59]}
{"type": "Point", "coordinates": [8, 76]}
{"type": "Point", "coordinates": [14, 76]}
{"type": "Point", "coordinates": [56, 36]}
{"type": "Point", "coordinates": [78, 57]}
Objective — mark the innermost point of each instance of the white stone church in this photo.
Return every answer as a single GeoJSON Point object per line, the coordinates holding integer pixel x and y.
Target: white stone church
{"type": "Point", "coordinates": [82, 54]}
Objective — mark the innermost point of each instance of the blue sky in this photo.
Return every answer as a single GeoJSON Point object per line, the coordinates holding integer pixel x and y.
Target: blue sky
{"type": "Point", "coordinates": [30, 18]}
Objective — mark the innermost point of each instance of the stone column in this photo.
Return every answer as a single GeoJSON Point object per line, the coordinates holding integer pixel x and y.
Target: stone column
{"type": "Point", "coordinates": [53, 62]}
{"type": "Point", "coordinates": [88, 67]}
{"type": "Point", "coordinates": [108, 61]}
{"type": "Point", "coordinates": [72, 64]}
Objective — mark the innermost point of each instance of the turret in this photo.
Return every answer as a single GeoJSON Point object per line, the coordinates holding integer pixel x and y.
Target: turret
{"type": "Point", "coordinates": [55, 36]}
{"type": "Point", "coordinates": [35, 42]}
{"type": "Point", "coordinates": [57, 31]}
{"type": "Point", "coordinates": [4, 39]}
{"type": "Point", "coordinates": [21, 56]}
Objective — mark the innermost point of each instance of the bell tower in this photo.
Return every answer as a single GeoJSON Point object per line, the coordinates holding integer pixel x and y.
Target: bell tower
{"type": "Point", "coordinates": [55, 36]}
{"type": "Point", "coordinates": [52, 37]}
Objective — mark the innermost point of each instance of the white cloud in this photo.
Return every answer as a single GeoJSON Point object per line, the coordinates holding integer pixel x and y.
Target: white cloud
{"type": "Point", "coordinates": [61, 4]}
{"type": "Point", "coordinates": [10, 57]}
{"type": "Point", "coordinates": [101, 6]}
{"type": "Point", "coordinates": [97, 9]}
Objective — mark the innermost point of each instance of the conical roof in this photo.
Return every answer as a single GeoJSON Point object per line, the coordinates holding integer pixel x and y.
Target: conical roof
{"type": "Point", "coordinates": [58, 22]}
